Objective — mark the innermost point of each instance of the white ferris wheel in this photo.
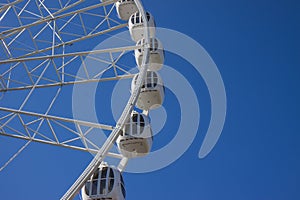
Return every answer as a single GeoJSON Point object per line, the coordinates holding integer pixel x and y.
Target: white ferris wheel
{"type": "Point", "coordinates": [43, 46]}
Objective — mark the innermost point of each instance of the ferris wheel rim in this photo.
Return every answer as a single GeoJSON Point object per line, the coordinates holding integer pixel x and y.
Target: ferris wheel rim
{"type": "Point", "coordinates": [95, 163]}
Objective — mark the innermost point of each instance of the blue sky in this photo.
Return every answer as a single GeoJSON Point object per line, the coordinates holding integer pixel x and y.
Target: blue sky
{"type": "Point", "coordinates": [255, 45]}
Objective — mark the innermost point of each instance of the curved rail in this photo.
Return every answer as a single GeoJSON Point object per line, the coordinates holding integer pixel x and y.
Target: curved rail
{"type": "Point", "coordinates": [95, 163]}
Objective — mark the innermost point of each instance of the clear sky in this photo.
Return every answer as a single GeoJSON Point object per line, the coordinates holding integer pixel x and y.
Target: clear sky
{"type": "Point", "coordinates": [255, 45]}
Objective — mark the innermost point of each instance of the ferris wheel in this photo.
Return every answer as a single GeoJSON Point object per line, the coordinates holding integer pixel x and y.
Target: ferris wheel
{"type": "Point", "coordinates": [44, 45]}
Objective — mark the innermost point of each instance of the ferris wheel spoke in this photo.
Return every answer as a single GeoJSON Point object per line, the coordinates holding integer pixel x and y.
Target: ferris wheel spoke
{"type": "Point", "coordinates": [56, 131]}
{"type": "Point", "coordinates": [17, 75]}
{"type": "Point", "coordinates": [71, 42]}
{"type": "Point", "coordinates": [56, 119]}
{"type": "Point", "coordinates": [66, 43]}
{"type": "Point", "coordinates": [47, 19]}
{"type": "Point", "coordinates": [7, 5]}
{"type": "Point", "coordinates": [49, 142]}
{"type": "Point", "coordinates": [3, 88]}
{"type": "Point", "coordinates": [28, 38]}
{"type": "Point", "coordinates": [90, 149]}
{"type": "Point", "coordinates": [85, 53]}
{"type": "Point", "coordinates": [54, 16]}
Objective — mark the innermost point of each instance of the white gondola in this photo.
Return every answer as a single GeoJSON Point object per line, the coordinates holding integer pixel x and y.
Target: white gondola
{"type": "Point", "coordinates": [125, 8]}
{"type": "Point", "coordinates": [106, 183]}
{"type": "Point", "coordinates": [156, 58]}
{"type": "Point", "coordinates": [136, 137]}
{"type": "Point", "coordinates": [152, 91]}
{"type": "Point", "coordinates": [136, 26]}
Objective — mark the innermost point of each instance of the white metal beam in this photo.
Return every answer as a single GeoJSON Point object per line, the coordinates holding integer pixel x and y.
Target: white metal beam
{"type": "Point", "coordinates": [83, 53]}
{"type": "Point", "coordinates": [79, 122]}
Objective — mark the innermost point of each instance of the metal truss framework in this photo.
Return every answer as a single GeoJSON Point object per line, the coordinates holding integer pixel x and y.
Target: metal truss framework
{"type": "Point", "coordinates": [71, 130]}
{"type": "Point", "coordinates": [33, 61]}
{"type": "Point", "coordinates": [39, 50]}
{"type": "Point", "coordinates": [28, 48]}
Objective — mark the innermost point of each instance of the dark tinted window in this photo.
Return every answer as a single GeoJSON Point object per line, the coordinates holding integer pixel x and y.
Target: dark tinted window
{"type": "Point", "coordinates": [141, 42]}
{"type": "Point", "coordinates": [111, 173]}
{"type": "Point", "coordinates": [92, 184]}
{"type": "Point", "coordinates": [102, 186]}
{"type": "Point", "coordinates": [148, 16]}
{"type": "Point", "coordinates": [135, 118]}
{"type": "Point", "coordinates": [111, 180]}
{"type": "Point", "coordinates": [151, 79]}
{"type": "Point", "coordinates": [103, 180]}
{"type": "Point", "coordinates": [142, 121]}
{"type": "Point", "coordinates": [138, 18]}
{"type": "Point", "coordinates": [154, 45]}
{"type": "Point", "coordinates": [87, 188]}
{"type": "Point", "coordinates": [136, 125]}
{"type": "Point", "coordinates": [106, 182]}
{"type": "Point", "coordinates": [94, 187]}
{"type": "Point", "coordinates": [96, 175]}
{"type": "Point", "coordinates": [139, 124]}
{"type": "Point", "coordinates": [104, 172]}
